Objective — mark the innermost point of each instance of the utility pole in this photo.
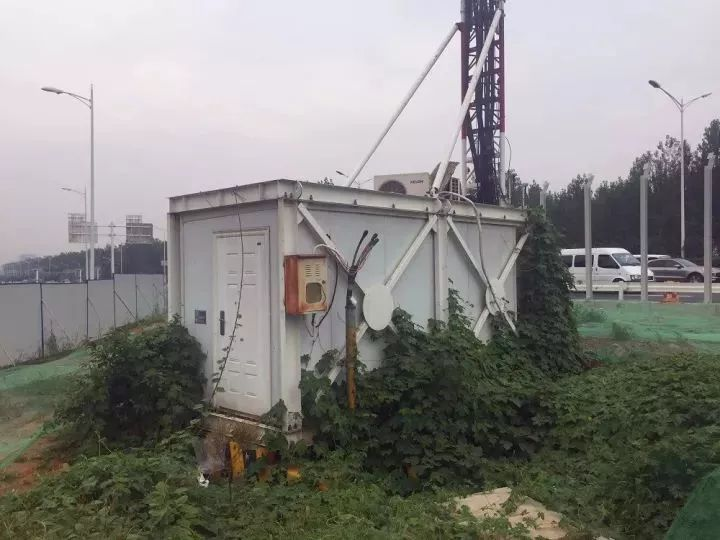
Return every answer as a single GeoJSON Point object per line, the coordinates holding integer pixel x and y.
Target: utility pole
{"type": "Point", "coordinates": [707, 240]}
{"type": "Point", "coordinates": [588, 239]}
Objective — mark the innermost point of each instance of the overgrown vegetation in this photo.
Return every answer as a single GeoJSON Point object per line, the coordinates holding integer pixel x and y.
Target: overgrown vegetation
{"type": "Point", "coordinates": [588, 314]}
{"type": "Point", "coordinates": [154, 494]}
{"type": "Point", "coordinates": [138, 387]}
{"type": "Point", "coordinates": [620, 332]}
{"type": "Point", "coordinates": [442, 403]}
{"type": "Point", "coordinates": [630, 442]}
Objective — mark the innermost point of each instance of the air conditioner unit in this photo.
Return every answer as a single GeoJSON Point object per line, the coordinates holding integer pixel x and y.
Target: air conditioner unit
{"type": "Point", "coordinates": [448, 183]}
{"type": "Point", "coordinates": [405, 184]}
{"type": "Point", "coordinates": [305, 284]}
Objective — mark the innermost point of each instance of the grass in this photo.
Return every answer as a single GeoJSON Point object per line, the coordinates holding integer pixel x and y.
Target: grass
{"type": "Point", "coordinates": [630, 441]}
{"type": "Point", "coordinates": [28, 395]}
{"type": "Point", "coordinates": [695, 326]}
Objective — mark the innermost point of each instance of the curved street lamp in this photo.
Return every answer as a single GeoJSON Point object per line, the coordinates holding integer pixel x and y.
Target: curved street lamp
{"type": "Point", "coordinates": [682, 105]}
{"type": "Point", "coordinates": [90, 104]}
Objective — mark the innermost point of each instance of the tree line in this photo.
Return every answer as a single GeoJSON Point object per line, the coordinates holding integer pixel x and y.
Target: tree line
{"type": "Point", "coordinates": [70, 265]}
{"type": "Point", "coordinates": [616, 205]}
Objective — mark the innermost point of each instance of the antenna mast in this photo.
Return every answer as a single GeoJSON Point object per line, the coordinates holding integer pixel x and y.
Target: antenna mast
{"type": "Point", "coordinates": [484, 125]}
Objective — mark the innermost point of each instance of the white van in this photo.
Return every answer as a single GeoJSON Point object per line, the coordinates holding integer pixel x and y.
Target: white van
{"type": "Point", "coordinates": [610, 265]}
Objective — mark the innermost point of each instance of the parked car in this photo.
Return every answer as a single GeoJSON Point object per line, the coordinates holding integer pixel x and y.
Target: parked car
{"type": "Point", "coordinates": [652, 257]}
{"type": "Point", "coordinates": [680, 270]}
{"type": "Point", "coordinates": [610, 265]}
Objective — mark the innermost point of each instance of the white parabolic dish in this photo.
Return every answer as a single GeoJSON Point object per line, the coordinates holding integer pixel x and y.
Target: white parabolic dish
{"type": "Point", "coordinates": [378, 306]}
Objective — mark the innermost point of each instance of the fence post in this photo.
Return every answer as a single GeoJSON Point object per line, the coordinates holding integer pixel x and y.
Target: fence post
{"type": "Point", "coordinates": [588, 239]}
{"type": "Point", "coordinates": [136, 299]}
{"type": "Point", "coordinates": [87, 310]}
{"type": "Point", "coordinates": [42, 325]}
{"type": "Point", "coordinates": [621, 291]}
{"type": "Point", "coordinates": [113, 295]}
{"type": "Point", "coordinates": [707, 236]}
{"type": "Point", "coordinates": [644, 179]}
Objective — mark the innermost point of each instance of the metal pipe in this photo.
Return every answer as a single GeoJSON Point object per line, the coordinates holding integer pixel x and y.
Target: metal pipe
{"type": "Point", "coordinates": [468, 98]}
{"type": "Point", "coordinates": [501, 172]}
{"type": "Point", "coordinates": [350, 349]}
{"type": "Point", "coordinates": [588, 240]}
{"type": "Point", "coordinates": [92, 184]}
{"type": "Point", "coordinates": [404, 103]}
{"type": "Point", "coordinates": [644, 179]}
{"type": "Point", "coordinates": [707, 237]}
{"type": "Point", "coordinates": [463, 165]}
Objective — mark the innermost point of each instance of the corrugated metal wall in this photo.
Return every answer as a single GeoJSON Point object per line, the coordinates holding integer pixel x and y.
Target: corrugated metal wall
{"type": "Point", "coordinates": [65, 314]}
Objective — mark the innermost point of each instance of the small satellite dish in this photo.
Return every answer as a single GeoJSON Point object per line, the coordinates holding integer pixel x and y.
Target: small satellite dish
{"type": "Point", "coordinates": [378, 306]}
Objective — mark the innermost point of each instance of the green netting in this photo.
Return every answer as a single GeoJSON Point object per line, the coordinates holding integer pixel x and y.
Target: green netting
{"type": "Point", "coordinates": [27, 398]}
{"type": "Point", "coordinates": [695, 324]}
{"type": "Point", "coordinates": [698, 520]}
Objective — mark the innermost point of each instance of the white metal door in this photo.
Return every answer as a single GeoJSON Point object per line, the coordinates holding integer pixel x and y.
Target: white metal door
{"type": "Point", "coordinates": [242, 274]}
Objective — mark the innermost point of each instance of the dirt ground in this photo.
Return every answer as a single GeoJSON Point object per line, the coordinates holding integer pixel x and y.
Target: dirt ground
{"type": "Point", "coordinates": [28, 396]}
{"type": "Point", "coordinates": [31, 466]}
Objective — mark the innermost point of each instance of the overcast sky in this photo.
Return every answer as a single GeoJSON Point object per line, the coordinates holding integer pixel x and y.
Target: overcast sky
{"type": "Point", "coordinates": [200, 94]}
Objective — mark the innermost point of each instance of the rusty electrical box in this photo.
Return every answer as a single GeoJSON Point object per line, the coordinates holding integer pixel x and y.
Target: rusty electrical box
{"type": "Point", "coordinates": [305, 284]}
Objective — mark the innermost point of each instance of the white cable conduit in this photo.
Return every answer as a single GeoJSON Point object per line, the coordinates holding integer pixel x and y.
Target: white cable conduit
{"type": "Point", "coordinates": [404, 102]}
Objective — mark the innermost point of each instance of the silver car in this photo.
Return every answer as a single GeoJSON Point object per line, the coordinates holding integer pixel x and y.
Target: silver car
{"type": "Point", "coordinates": [680, 270]}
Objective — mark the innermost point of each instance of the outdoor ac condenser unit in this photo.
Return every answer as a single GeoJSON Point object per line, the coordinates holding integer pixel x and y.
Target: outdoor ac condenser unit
{"type": "Point", "coordinates": [406, 184]}
{"type": "Point", "coordinates": [305, 284]}
{"type": "Point", "coordinates": [417, 183]}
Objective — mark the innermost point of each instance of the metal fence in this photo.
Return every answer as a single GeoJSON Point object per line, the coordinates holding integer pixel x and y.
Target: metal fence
{"type": "Point", "coordinates": [42, 319]}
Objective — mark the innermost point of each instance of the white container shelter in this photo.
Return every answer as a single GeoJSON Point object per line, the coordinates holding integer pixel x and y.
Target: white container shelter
{"type": "Point", "coordinates": [427, 246]}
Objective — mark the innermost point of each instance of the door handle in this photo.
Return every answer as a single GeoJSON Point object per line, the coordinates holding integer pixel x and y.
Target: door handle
{"type": "Point", "coordinates": [222, 322]}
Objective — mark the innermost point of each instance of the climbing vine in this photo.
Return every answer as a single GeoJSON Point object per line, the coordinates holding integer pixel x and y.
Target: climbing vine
{"type": "Point", "coordinates": [442, 403]}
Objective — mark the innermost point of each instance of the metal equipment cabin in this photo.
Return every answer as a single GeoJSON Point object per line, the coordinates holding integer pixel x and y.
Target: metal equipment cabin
{"type": "Point", "coordinates": [233, 245]}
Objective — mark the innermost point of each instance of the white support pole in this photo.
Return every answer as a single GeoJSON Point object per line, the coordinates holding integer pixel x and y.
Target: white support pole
{"type": "Point", "coordinates": [707, 239]}
{"type": "Point", "coordinates": [644, 179]}
{"type": "Point", "coordinates": [468, 98]}
{"type": "Point", "coordinates": [463, 165]}
{"type": "Point", "coordinates": [502, 172]}
{"type": "Point", "coordinates": [588, 240]}
{"type": "Point", "coordinates": [440, 246]}
{"type": "Point", "coordinates": [404, 103]}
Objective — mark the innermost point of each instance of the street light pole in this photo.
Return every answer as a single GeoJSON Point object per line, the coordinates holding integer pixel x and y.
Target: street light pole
{"type": "Point", "coordinates": [89, 103]}
{"type": "Point", "coordinates": [682, 106]}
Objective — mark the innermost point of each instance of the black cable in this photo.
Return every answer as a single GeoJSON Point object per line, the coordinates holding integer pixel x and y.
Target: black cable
{"type": "Point", "coordinates": [357, 248]}
{"type": "Point", "coordinates": [332, 299]}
